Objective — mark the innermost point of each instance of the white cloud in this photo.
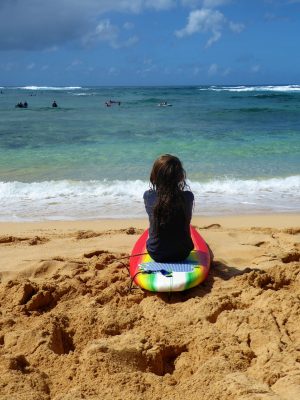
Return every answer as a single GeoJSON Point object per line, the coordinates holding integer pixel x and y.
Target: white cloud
{"type": "Point", "coordinates": [236, 27]}
{"type": "Point", "coordinates": [130, 41]}
{"type": "Point", "coordinates": [204, 20]}
{"type": "Point", "coordinates": [211, 21]}
{"type": "Point", "coordinates": [214, 38]}
{"type": "Point", "coordinates": [41, 25]}
{"type": "Point", "coordinates": [213, 69]}
{"type": "Point", "coordinates": [31, 66]}
{"type": "Point", "coordinates": [49, 25]}
{"type": "Point", "coordinates": [104, 32]}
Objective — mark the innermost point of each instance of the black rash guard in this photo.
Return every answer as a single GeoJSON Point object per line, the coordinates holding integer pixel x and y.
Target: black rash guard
{"type": "Point", "coordinates": [173, 242]}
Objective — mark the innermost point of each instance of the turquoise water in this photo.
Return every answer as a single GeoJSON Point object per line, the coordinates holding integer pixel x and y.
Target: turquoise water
{"type": "Point", "coordinates": [225, 136]}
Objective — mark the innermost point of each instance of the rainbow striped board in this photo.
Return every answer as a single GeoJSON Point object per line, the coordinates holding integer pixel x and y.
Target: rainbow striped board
{"type": "Point", "coordinates": [169, 277]}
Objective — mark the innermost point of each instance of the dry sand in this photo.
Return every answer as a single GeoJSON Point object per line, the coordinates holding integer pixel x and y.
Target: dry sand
{"type": "Point", "coordinates": [70, 329]}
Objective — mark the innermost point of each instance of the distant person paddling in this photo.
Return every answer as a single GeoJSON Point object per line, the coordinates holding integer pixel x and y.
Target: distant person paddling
{"type": "Point", "coordinates": [109, 103]}
{"type": "Point", "coordinates": [22, 105]}
{"type": "Point", "coordinates": [54, 104]}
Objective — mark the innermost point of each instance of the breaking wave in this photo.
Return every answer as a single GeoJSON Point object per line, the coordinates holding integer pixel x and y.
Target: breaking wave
{"type": "Point", "coordinates": [269, 88]}
{"type": "Point", "coordinates": [73, 200]}
{"type": "Point", "coordinates": [50, 87]}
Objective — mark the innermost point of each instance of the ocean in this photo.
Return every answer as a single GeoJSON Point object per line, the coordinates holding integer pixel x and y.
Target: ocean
{"type": "Point", "coordinates": [240, 146]}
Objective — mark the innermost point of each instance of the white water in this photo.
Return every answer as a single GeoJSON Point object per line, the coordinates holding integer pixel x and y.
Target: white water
{"type": "Point", "coordinates": [269, 88]}
{"type": "Point", "coordinates": [71, 200]}
{"type": "Point", "coordinates": [50, 87]}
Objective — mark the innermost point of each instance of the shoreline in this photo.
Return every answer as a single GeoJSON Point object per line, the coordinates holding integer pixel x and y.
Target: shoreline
{"type": "Point", "coordinates": [98, 199]}
{"type": "Point", "coordinates": [259, 219]}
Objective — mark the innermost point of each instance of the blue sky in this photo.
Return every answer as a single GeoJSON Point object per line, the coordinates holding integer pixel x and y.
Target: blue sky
{"type": "Point", "coordinates": [149, 42]}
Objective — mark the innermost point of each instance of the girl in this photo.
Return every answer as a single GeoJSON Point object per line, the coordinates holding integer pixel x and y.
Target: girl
{"type": "Point", "coordinates": [169, 207]}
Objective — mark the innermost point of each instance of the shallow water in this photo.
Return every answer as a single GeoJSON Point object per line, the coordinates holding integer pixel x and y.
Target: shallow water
{"type": "Point", "coordinates": [240, 147]}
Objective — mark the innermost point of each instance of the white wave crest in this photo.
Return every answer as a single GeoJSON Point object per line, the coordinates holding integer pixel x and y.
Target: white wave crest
{"type": "Point", "coordinates": [84, 94]}
{"type": "Point", "coordinates": [50, 87]}
{"type": "Point", "coordinates": [71, 200]}
{"type": "Point", "coordinates": [270, 88]}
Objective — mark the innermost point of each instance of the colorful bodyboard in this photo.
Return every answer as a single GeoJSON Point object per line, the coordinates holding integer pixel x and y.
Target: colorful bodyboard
{"type": "Point", "coordinates": [169, 277]}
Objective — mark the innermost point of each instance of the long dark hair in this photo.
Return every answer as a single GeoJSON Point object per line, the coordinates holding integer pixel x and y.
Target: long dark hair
{"type": "Point", "coordinates": [167, 178]}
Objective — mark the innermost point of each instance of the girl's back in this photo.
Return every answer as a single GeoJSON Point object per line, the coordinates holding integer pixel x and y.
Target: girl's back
{"type": "Point", "coordinates": [169, 207]}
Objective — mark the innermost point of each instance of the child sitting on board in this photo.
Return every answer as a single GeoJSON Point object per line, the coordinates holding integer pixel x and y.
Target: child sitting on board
{"type": "Point", "coordinates": [169, 206]}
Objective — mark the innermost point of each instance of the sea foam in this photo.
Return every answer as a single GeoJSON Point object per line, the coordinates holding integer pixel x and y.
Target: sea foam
{"type": "Point", "coordinates": [50, 87]}
{"type": "Point", "coordinates": [71, 200]}
{"type": "Point", "coordinates": [269, 88]}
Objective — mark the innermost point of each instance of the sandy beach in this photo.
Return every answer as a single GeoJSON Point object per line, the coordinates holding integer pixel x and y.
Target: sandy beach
{"type": "Point", "coordinates": [70, 329]}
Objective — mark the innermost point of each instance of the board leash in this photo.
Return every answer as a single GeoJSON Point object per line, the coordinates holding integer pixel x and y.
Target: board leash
{"type": "Point", "coordinates": [126, 266]}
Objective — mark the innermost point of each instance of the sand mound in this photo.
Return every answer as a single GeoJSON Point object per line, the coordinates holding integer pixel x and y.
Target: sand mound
{"type": "Point", "coordinates": [72, 330]}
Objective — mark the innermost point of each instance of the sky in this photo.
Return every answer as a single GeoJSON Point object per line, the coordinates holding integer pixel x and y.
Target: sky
{"type": "Point", "coordinates": [149, 42]}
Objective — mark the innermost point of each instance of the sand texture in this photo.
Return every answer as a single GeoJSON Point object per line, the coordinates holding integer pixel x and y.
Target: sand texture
{"type": "Point", "coordinates": [70, 329]}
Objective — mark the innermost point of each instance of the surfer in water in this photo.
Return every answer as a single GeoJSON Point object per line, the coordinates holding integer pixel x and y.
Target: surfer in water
{"type": "Point", "coordinates": [169, 205]}
{"type": "Point", "coordinates": [22, 105]}
{"type": "Point", "coordinates": [111, 102]}
{"type": "Point", "coordinates": [54, 104]}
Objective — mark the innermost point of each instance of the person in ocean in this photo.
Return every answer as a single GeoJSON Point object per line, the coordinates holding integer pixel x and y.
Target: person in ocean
{"type": "Point", "coordinates": [169, 205]}
{"type": "Point", "coordinates": [54, 104]}
{"type": "Point", "coordinates": [21, 105]}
